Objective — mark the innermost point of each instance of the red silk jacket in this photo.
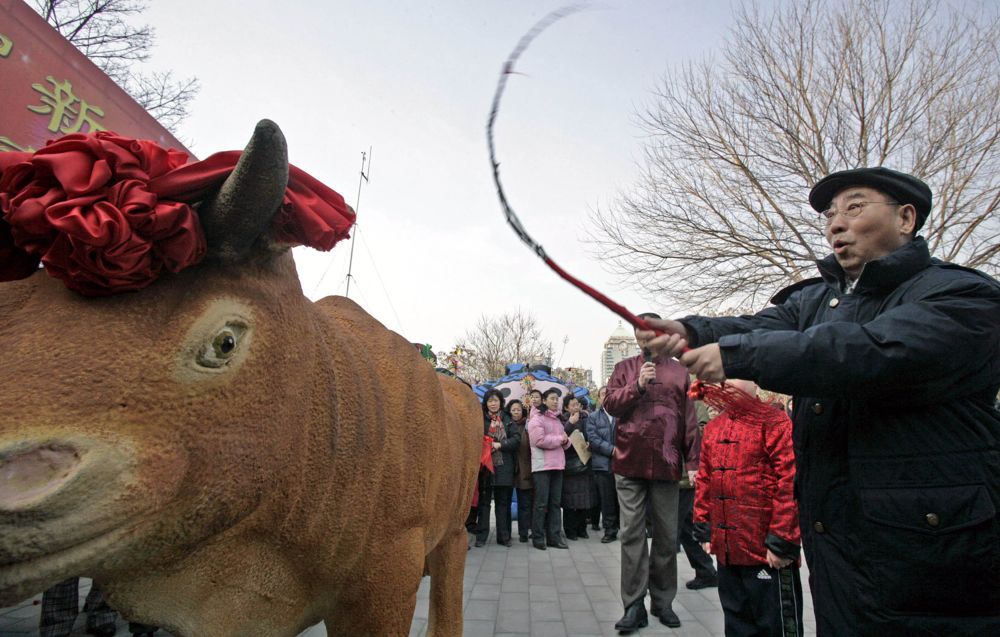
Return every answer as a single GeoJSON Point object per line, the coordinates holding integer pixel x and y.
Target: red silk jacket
{"type": "Point", "coordinates": [744, 490]}
{"type": "Point", "coordinates": [656, 436]}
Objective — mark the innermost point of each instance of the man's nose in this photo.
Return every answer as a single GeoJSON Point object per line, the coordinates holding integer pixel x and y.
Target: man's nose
{"type": "Point", "coordinates": [836, 225]}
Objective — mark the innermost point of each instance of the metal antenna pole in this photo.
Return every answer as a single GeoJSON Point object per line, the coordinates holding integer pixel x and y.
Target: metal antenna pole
{"type": "Point", "coordinates": [357, 205]}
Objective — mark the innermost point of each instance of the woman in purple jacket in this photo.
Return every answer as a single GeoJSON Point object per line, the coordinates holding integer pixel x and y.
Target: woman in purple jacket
{"type": "Point", "coordinates": [548, 440]}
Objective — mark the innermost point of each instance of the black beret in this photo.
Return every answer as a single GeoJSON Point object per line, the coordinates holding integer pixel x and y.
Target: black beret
{"type": "Point", "coordinates": [900, 186]}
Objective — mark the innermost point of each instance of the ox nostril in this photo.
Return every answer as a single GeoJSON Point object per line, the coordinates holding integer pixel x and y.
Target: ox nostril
{"type": "Point", "coordinates": [28, 475]}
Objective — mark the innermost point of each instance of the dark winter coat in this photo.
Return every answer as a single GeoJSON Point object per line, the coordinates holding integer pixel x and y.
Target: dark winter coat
{"type": "Point", "coordinates": [601, 435]}
{"type": "Point", "coordinates": [523, 479]}
{"type": "Point", "coordinates": [656, 431]}
{"type": "Point", "coordinates": [896, 439]}
{"type": "Point", "coordinates": [744, 490]}
{"type": "Point", "coordinates": [503, 475]}
{"type": "Point", "coordinates": [577, 490]}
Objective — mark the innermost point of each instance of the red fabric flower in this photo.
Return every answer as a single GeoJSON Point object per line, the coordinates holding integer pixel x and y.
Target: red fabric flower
{"type": "Point", "coordinates": [82, 206]}
{"type": "Point", "coordinates": [105, 213]}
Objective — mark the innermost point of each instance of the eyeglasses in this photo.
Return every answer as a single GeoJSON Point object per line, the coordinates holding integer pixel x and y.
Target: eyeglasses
{"type": "Point", "coordinates": [853, 209]}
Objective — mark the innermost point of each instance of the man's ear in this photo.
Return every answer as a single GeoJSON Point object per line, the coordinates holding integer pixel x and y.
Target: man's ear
{"type": "Point", "coordinates": [907, 219]}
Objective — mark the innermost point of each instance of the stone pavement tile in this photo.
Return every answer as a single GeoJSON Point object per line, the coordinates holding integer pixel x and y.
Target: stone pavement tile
{"type": "Point", "coordinates": [489, 576]}
{"type": "Point", "coordinates": [548, 629]}
{"type": "Point", "coordinates": [694, 601]}
{"type": "Point", "coordinates": [422, 610]}
{"type": "Point", "coordinates": [477, 628]}
{"type": "Point", "coordinates": [514, 621]}
{"type": "Point", "coordinates": [574, 601]}
{"type": "Point", "coordinates": [547, 580]}
{"type": "Point", "coordinates": [545, 611]}
{"type": "Point", "coordinates": [590, 567]}
{"type": "Point", "coordinates": [540, 593]}
{"type": "Point", "coordinates": [593, 579]}
{"type": "Point", "coordinates": [515, 570]}
{"type": "Point", "coordinates": [514, 601]}
{"type": "Point", "coordinates": [601, 594]}
{"type": "Point", "coordinates": [712, 620]}
{"type": "Point", "coordinates": [608, 611]}
{"type": "Point", "coordinates": [580, 622]}
{"type": "Point", "coordinates": [481, 609]}
{"type": "Point", "coordinates": [514, 584]}
{"type": "Point", "coordinates": [485, 591]}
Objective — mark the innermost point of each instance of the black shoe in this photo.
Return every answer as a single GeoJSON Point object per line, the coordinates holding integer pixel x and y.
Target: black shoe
{"type": "Point", "coordinates": [558, 545]}
{"type": "Point", "coordinates": [669, 618]}
{"type": "Point", "coordinates": [703, 581]}
{"type": "Point", "coordinates": [103, 631]}
{"type": "Point", "coordinates": [635, 617]}
{"type": "Point", "coordinates": [570, 536]}
{"type": "Point", "coordinates": [583, 535]}
{"type": "Point", "coordinates": [480, 544]}
{"type": "Point", "coordinates": [609, 537]}
{"type": "Point", "coordinates": [595, 527]}
{"type": "Point", "coordinates": [524, 539]}
{"type": "Point", "coordinates": [539, 545]}
{"type": "Point", "coordinates": [505, 543]}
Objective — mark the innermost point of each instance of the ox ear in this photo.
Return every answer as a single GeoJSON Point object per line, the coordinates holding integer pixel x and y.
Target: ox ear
{"type": "Point", "coordinates": [239, 217]}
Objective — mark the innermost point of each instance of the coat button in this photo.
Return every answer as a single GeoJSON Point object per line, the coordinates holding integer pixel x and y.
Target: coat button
{"type": "Point", "coordinates": [834, 302]}
{"type": "Point", "coordinates": [932, 519]}
{"type": "Point", "coordinates": [817, 408]}
{"type": "Point", "coordinates": [818, 526]}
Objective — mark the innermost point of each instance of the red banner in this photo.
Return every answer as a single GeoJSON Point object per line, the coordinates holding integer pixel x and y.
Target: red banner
{"type": "Point", "coordinates": [49, 89]}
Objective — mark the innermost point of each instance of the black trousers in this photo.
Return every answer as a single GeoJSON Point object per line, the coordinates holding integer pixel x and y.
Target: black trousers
{"type": "Point", "coordinates": [700, 561]}
{"type": "Point", "coordinates": [502, 496]}
{"type": "Point", "coordinates": [483, 508]}
{"type": "Point", "coordinates": [608, 497]}
{"type": "Point", "coordinates": [574, 522]}
{"type": "Point", "coordinates": [525, 497]}
{"type": "Point", "coordinates": [756, 603]}
{"type": "Point", "coordinates": [546, 521]}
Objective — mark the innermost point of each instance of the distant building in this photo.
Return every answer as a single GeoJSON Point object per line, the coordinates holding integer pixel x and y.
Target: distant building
{"type": "Point", "coordinates": [619, 346]}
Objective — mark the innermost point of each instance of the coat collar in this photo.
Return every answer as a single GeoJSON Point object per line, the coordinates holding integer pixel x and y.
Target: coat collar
{"type": "Point", "coordinates": [884, 273]}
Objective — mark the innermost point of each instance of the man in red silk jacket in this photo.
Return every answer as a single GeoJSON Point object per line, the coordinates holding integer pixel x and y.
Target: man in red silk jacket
{"type": "Point", "coordinates": [744, 503]}
{"type": "Point", "coordinates": [655, 442]}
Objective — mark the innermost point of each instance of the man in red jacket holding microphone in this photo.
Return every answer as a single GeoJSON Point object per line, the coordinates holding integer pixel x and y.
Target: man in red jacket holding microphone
{"type": "Point", "coordinates": [655, 443]}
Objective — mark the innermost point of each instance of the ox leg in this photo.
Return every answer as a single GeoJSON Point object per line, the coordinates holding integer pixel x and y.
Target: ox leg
{"type": "Point", "coordinates": [446, 564]}
{"type": "Point", "coordinates": [384, 595]}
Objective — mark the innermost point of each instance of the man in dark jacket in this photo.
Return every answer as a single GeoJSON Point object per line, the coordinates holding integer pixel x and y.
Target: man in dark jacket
{"type": "Point", "coordinates": [655, 438]}
{"type": "Point", "coordinates": [891, 357]}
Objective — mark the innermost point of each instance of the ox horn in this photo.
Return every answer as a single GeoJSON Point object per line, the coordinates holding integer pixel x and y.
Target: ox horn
{"type": "Point", "coordinates": [242, 210]}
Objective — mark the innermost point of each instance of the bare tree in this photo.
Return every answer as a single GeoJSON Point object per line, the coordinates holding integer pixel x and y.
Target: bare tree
{"type": "Point", "coordinates": [103, 31]}
{"type": "Point", "coordinates": [497, 341]}
{"type": "Point", "coordinates": [720, 214]}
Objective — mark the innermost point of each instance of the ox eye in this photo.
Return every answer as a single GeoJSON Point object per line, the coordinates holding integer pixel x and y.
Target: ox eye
{"type": "Point", "coordinates": [222, 347]}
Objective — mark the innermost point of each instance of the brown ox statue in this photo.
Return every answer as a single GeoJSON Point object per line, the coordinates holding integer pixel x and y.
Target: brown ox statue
{"type": "Point", "coordinates": [225, 457]}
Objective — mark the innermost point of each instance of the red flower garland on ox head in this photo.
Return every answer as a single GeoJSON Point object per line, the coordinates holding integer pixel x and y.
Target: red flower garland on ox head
{"type": "Point", "coordinates": [106, 214]}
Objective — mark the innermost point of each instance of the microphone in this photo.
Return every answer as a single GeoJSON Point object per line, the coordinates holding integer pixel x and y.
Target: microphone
{"type": "Point", "coordinates": [647, 356]}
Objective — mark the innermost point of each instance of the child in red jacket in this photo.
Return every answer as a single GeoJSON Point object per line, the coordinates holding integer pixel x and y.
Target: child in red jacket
{"type": "Point", "coordinates": [746, 515]}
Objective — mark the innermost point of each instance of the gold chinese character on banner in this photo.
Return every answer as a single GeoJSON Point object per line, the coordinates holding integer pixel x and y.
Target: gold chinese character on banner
{"type": "Point", "coordinates": [6, 44]}
{"type": "Point", "coordinates": [7, 145]}
{"type": "Point", "coordinates": [70, 114]}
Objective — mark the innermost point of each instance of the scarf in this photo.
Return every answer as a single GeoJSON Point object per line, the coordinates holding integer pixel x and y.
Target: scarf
{"type": "Point", "coordinates": [499, 433]}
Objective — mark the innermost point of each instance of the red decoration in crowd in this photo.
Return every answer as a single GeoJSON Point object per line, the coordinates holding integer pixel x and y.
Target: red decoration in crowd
{"type": "Point", "coordinates": [106, 213]}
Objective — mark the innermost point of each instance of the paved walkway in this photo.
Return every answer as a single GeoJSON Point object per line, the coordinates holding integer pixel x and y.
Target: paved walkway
{"type": "Point", "coordinates": [518, 591]}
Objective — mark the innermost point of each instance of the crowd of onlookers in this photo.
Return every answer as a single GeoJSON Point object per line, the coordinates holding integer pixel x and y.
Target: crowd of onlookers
{"type": "Point", "coordinates": [628, 466]}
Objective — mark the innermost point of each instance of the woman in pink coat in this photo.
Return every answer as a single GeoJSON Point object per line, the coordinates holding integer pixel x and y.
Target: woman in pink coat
{"type": "Point", "coordinates": [548, 440]}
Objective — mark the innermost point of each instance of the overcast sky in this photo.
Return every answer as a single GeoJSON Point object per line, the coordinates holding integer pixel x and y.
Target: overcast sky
{"type": "Point", "coordinates": [414, 80]}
